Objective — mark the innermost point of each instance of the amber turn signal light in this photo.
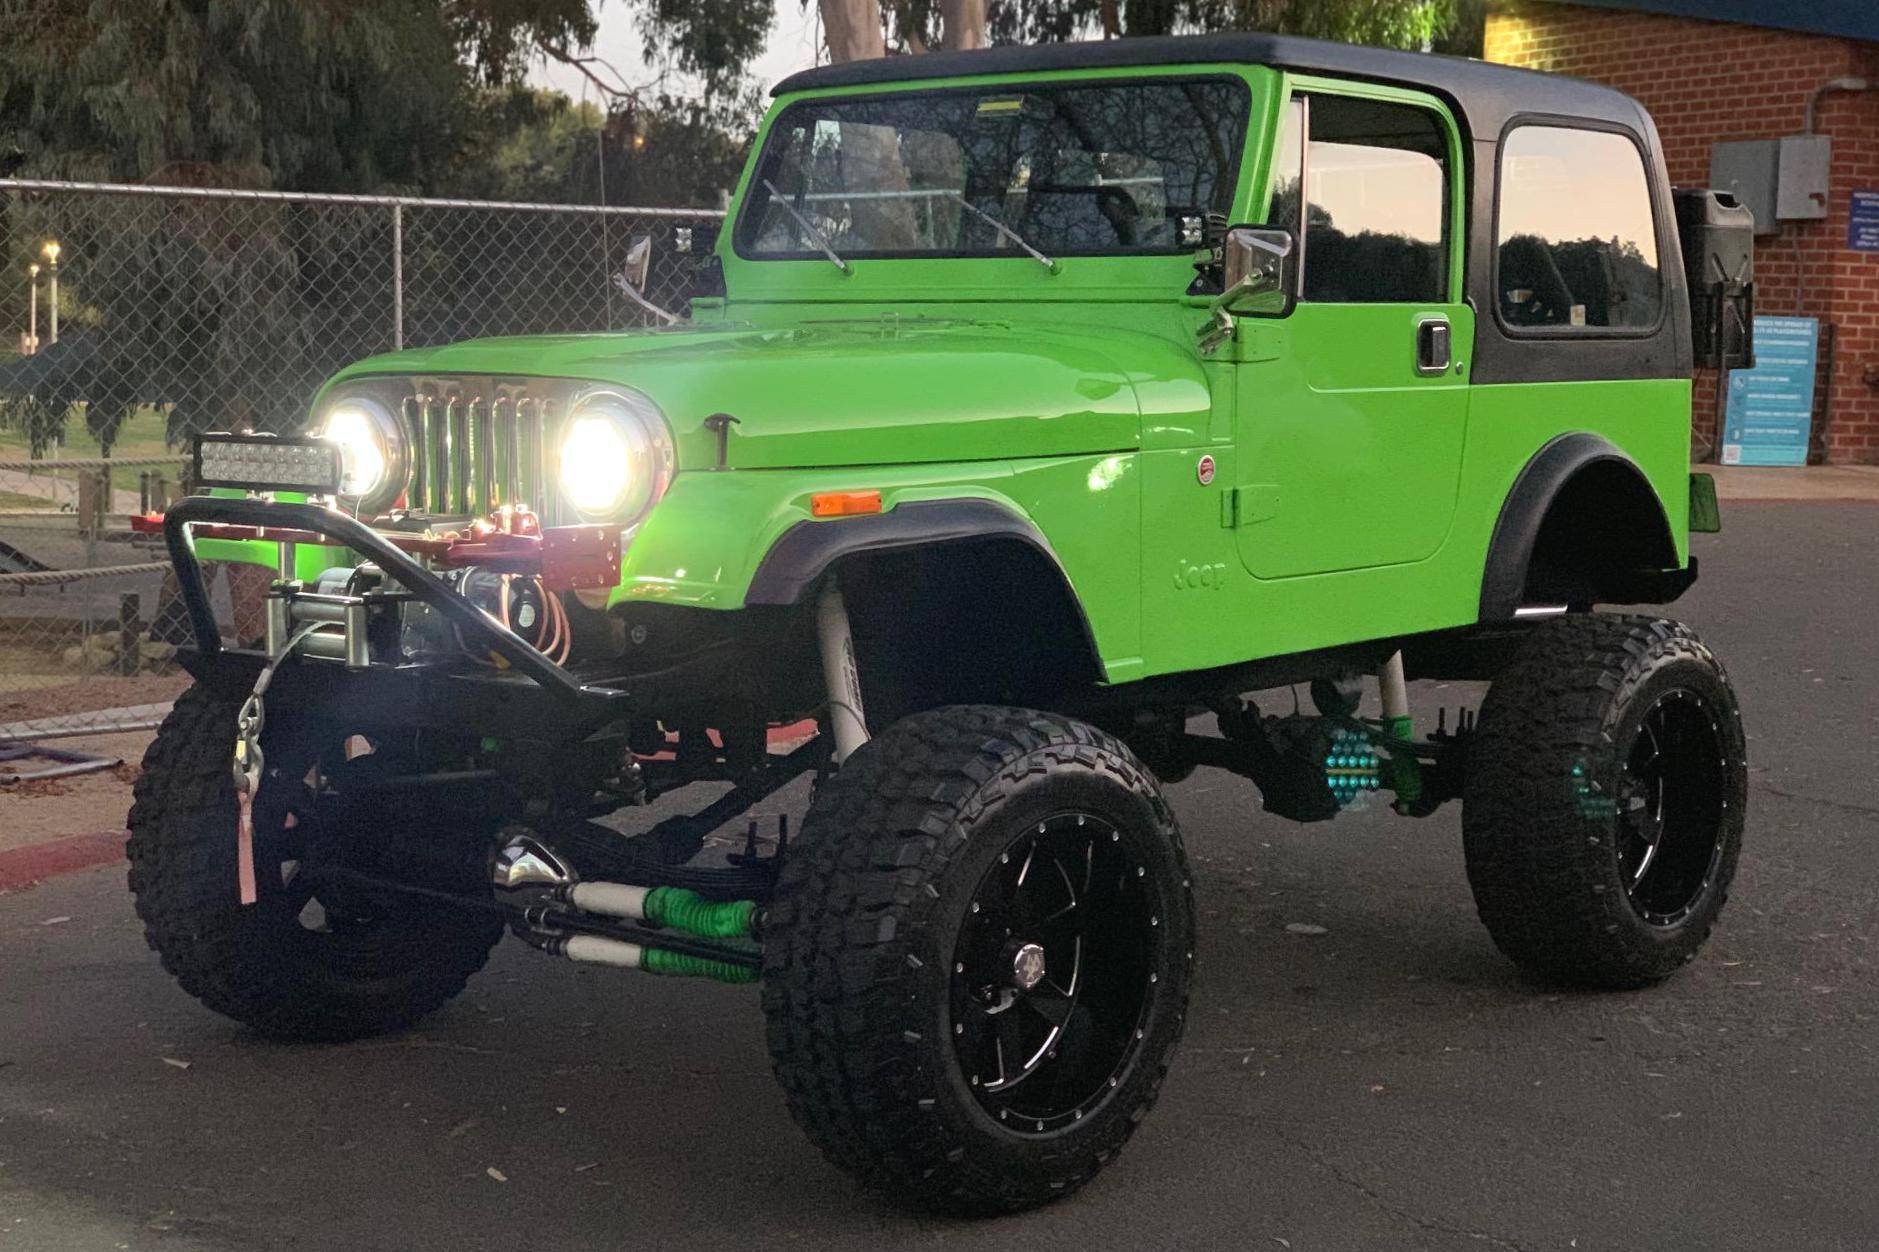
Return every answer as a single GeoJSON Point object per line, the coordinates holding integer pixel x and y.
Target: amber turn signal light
{"type": "Point", "coordinates": [844, 503]}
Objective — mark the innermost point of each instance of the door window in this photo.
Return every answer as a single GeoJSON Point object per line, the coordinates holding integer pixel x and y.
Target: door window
{"type": "Point", "coordinates": [1375, 225]}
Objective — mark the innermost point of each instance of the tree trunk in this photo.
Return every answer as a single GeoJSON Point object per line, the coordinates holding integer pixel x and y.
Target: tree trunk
{"type": "Point", "coordinates": [852, 29]}
{"type": "Point", "coordinates": [962, 24]}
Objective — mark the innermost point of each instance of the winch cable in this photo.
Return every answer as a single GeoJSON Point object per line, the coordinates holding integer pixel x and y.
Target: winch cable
{"type": "Point", "coordinates": [248, 764]}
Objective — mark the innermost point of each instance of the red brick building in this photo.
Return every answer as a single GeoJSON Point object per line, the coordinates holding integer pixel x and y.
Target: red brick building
{"type": "Point", "coordinates": [1710, 81]}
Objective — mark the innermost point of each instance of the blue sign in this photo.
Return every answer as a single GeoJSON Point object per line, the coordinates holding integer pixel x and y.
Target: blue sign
{"type": "Point", "coordinates": [1771, 407]}
{"type": "Point", "coordinates": [1862, 223]}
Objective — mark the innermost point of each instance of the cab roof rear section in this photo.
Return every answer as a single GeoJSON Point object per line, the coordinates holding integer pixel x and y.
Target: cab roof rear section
{"type": "Point", "coordinates": [1487, 95]}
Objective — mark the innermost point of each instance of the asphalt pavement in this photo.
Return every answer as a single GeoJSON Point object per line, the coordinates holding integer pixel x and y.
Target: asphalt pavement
{"type": "Point", "coordinates": [1391, 1083]}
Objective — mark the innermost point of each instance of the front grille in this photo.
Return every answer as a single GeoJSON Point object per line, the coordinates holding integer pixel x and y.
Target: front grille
{"type": "Point", "coordinates": [478, 444]}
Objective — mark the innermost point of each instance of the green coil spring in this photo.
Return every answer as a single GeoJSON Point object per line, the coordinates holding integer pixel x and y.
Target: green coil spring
{"type": "Point", "coordinates": [678, 964]}
{"type": "Point", "coordinates": [692, 913]}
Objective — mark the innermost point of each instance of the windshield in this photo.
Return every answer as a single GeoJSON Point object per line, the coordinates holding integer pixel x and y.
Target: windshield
{"type": "Point", "coordinates": [1116, 168]}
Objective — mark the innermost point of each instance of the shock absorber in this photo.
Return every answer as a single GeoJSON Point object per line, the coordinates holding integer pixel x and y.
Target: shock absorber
{"type": "Point", "coordinates": [1393, 690]}
{"type": "Point", "coordinates": [620, 954]}
{"type": "Point", "coordinates": [846, 718]}
{"type": "Point", "coordinates": [673, 907]}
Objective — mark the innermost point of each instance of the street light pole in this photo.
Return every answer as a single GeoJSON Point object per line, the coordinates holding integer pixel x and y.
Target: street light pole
{"type": "Point", "coordinates": [32, 317]}
{"type": "Point", "coordinates": [51, 251]}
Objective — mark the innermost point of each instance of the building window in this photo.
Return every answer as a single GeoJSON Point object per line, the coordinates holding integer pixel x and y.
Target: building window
{"type": "Point", "coordinates": [1577, 246]}
{"type": "Point", "coordinates": [1376, 224]}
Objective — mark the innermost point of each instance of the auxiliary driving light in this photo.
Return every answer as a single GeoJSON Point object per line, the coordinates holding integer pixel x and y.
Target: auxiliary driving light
{"type": "Point", "coordinates": [268, 463]}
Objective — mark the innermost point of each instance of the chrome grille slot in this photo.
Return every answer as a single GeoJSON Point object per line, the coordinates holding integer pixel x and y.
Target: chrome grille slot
{"type": "Point", "coordinates": [481, 421]}
{"type": "Point", "coordinates": [457, 436]}
{"type": "Point", "coordinates": [411, 409]}
{"type": "Point", "coordinates": [437, 448]}
{"type": "Point", "coordinates": [529, 432]}
{"type": "Point", "coordinates": [508, 483]}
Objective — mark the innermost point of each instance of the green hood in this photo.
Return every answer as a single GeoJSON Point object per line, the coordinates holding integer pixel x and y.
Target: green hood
{"type": "Point", "coordinates": [882, 392]}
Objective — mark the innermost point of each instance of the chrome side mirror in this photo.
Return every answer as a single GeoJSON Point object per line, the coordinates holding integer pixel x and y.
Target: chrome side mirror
{"type": "Point", "coordinates": [631, 280]}
{"type": "Point", "coordinates": [638, 261]}
{"type": "Point", "coordinates": [1258, 269]}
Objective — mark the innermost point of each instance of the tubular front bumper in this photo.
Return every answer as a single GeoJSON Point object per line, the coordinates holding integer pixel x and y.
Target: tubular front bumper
{"type": "Point", "coordinates": [528, 672]}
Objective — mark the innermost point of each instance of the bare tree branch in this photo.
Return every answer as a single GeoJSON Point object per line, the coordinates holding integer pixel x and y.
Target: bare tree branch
{"type": "Point", "coordinates": [619, 89]}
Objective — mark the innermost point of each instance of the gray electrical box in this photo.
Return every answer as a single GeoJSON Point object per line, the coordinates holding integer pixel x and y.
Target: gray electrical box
{"type": "Point", "coordinates": [1802, 177]}
{"type": "Point", "coordinates": [1748, 169]}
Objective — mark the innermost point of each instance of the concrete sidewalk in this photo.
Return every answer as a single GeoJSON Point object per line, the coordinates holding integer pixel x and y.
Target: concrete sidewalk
{"type": "Point", "coordinates": [1809, 482]}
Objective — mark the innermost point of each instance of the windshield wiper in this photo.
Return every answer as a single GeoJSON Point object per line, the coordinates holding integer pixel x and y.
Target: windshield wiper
{"type": "Point", "coordinates": [808, 227]}
{"type": "Point", "coordinates": [1004, 230]}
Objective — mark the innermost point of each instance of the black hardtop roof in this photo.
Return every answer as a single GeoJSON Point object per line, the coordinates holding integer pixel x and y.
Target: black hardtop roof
{"type": "Point", "coordinates": [1486, 94]}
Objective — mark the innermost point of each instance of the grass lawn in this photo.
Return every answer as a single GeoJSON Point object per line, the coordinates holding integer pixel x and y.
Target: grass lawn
{"type": "Point", "coordinates": [141, 435]}
{"type": "Point", "coordinates": [15, 501]}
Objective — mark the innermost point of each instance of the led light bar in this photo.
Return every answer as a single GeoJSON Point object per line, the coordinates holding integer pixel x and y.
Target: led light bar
{"type": "Point", "coordinates": [268, 463]}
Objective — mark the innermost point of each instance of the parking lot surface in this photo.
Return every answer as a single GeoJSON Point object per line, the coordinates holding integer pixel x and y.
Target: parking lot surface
{"type": "Point", "coordinates": [1389, 1083]}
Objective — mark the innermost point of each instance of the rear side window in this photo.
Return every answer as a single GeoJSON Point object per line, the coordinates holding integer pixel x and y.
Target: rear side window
{"type": "Point", "coordinates": [1577, 246]}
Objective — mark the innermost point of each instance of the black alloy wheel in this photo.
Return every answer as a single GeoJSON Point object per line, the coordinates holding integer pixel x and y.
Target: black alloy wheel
{"type": "Point", "coordinates": [1670, 807]}
{"type": "Point", "coordinates": [1054, 969]}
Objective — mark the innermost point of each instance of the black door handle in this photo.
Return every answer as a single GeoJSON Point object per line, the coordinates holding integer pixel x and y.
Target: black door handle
{"type": "Point", "coordinates": [1434, 346]}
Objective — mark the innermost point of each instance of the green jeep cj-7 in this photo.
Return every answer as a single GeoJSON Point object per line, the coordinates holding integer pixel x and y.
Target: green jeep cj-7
{"type": "Point", "coordinates": [1035, 407]}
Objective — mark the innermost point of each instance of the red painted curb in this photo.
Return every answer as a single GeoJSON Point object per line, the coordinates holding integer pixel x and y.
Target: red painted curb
{"type": "Point", "coordinates": [22, 867]}
{"type": "Point", "coordinates": [793, 734]}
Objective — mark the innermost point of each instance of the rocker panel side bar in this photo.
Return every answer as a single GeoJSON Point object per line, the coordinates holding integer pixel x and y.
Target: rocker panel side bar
{"type": "Point", "coordinates": [361, 538]}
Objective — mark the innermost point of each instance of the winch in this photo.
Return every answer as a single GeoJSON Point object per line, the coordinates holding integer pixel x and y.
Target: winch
{"type": "Point", "coordinates": [358, 621]}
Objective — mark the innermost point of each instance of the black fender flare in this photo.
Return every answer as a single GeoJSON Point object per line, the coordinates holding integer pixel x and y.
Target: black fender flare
{"type": "Point", "coordinates": [807, 550]}
{"type": "Point", "coordinates": [1538, 485]}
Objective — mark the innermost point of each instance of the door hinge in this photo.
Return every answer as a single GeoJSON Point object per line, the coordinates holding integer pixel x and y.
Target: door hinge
{"type": "Point", "coordinates": [1243, 506]}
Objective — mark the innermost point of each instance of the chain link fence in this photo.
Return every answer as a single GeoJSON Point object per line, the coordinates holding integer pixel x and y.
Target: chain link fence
{"type": "Point", "coordinates": [132, 317]}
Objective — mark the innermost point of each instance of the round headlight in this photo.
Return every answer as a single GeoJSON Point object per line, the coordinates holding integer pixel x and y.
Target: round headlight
{"type": "Point", "coordinates": [371, 451]}
{"type": "Point", "coordinates": [616, 457]}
